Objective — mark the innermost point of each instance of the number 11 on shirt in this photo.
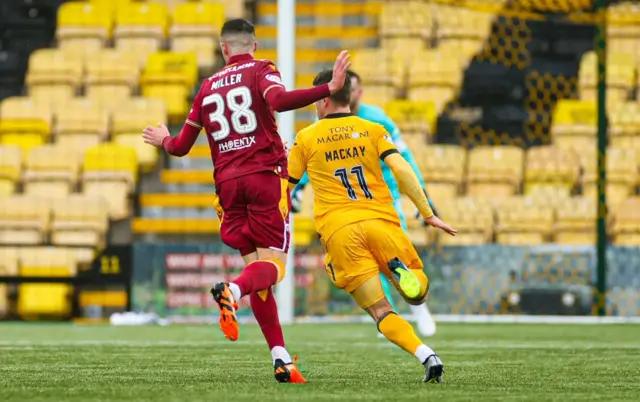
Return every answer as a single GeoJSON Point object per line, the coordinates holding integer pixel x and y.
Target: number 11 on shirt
{"type": "Point", "coordinates": [358, 171]}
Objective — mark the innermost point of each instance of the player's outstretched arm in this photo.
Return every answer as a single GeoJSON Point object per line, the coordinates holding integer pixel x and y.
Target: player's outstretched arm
{"type": "Point", "coordinates": [177, 146]}
{"type": "Point", "coordinates": [410, 185]}
{"type": "Point", "coordinates": [282, 100]}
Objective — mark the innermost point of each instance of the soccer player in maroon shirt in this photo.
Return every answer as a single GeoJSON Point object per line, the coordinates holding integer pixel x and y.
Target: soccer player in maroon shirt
{"type": "Point", "coordinates": [235, 107]}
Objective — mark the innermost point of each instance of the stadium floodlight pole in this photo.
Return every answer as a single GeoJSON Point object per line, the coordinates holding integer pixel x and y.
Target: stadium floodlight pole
{"type": "Point", "coordinates": [601, 248]}
{"type": "Point", "coordinates": [286, 125]}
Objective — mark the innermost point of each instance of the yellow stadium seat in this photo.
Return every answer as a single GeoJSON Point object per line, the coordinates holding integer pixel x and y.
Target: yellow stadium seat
{"type": "Point", "coordinates": [377, 67]}
{"type": "Point", "coordinates": [625, 126]}
{"type": "Point", "coordinates": [81, 124]}
{"type": "Point", "coordinates": [406, 18]}
{"type": "Point", "coordinates": [51, 300]}
{"type": "Point", "coordinates": [379, 95]}
{"type": "Point", "coordinates": [170, 77]}
{"type": "Point", "coordinates": [456, 23]}
{"type": "Point", "coordinates": [442, 167]}
{"type": "Point", "coordinates": [576, 221]}
{"type": "Point", "coordinates": [51, 172]}
{"type": "Point", "coordinates": [574, 125]}
{"type": "Point", "coordinates": [205, 49]}
{"type": "Point", "coordinates": [197, 19]}
{"type": "Point", "coordinates": [434, 76]}
{"type": "Point", "coordinates": [111, 73]}
{"type": "Point", "coordinates": [25, 115]}
{"type": "Point", "coordinates": [521, 221]}
{"type": "Point", "coordinates": [54, 70]}
{"type": "Point", "coordinates": [110, 171]}
{"type": "Point", "coordinates": [472, 217]}
{"type": "Point", "coordinates": [551, 171]}
{"type": "Point", "coordinates": [10, 169]}
{"type": "Point", "coordinates": [147, 155]}
{"type": "Point", "coordinates": [83, 25]}
{"type": "Point", "coordinates": [495, 171]}
{"type": "Point", "coordinates": [621, 73]}
{"type": "Point", "coordinates": [622, 174]}
{"type": "Point", "coordinates": [626, 225]}
{"type": "Point", "coordinates": [112, 6]}
{"type": "Point", "coordinates": [23, 220]}
{"type": "Point", "coordinates": [141, 27]}
{"type": "Point", "coordinates": [132, 115]}
{"type": "Point", "coordinates": [79, 221]}
{"type": "Point", "coordinates": [8, 267]}
{"type": "Point", "coordinates": [25, 141]}
{"type": "Point", "coordinates": [129, 118]}
{"type": "Point", "coordinates": [413, 117]}
{"type": "Point", "coordinates": [233, 8]}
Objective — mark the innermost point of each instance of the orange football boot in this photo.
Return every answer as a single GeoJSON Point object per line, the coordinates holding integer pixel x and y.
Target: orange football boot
{"type": "Point", "coordinates": [288, 372]}
{"type": "Point", "coordinates": [228, 306]}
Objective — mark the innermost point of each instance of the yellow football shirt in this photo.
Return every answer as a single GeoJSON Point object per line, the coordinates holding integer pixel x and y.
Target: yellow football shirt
{"type": "Point", "coordinates": [341, 154]}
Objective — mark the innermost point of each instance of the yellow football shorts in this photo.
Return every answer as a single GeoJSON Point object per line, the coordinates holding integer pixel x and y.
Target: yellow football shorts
{"type": "Point", "coordinates": [358, 252]}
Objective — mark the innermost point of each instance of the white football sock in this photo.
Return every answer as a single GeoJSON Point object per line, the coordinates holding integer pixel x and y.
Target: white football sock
{"type": "Point", "coordinates": [235, 291]}
{"type": "Point", "coordinates": [426, 325]}
{"type": "Point", "coordinates": [278, 352]}
{"type": "Point", "coordinates": [423, 352]}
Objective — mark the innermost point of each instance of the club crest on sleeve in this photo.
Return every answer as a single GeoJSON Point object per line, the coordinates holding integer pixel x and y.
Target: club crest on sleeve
{"type": "Point", "coordinates": [273, 78]}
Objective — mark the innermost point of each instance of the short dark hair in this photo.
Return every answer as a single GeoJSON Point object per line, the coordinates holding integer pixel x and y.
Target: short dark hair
{"type": "Point", "coordinates": [352, 74]}
{"type": "Point", "coordinates": [237, 26]}
{"type": "Point", "coordinates": [343, 96]}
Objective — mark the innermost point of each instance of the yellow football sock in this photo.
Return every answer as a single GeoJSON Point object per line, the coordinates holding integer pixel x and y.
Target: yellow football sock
{"type": "Point", "coordinates": [397, 330]}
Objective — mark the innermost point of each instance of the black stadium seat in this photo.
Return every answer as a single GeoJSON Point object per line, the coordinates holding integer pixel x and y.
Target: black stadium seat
{"type": "Point", "coordinates": [13, 66]}
{"type": "Point", "coordinates": [27, 24]}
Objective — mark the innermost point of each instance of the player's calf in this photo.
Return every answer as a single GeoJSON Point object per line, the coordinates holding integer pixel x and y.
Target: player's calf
{"type": "Point", "coordinates": [398, 331]}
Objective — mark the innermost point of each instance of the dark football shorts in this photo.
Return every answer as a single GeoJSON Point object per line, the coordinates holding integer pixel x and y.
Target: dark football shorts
{"type": "Point", "coordinates": [255, 212]}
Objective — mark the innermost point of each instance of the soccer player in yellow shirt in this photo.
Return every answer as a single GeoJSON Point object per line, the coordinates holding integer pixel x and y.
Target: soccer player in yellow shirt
{"type": "Point", "coordinates": [355, 217]}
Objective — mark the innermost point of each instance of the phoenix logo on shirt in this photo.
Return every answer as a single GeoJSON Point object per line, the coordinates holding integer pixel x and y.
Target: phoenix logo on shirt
{"type": "Point", "coordinates": [234, 145]}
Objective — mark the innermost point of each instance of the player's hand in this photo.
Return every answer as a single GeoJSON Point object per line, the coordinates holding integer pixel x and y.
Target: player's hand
{"type": "Point", "coordinates": [437, 223]}
{"type": "Point", "coordinates": [155, 135]}
{"type": "Point", "coordinates": [340, 71]}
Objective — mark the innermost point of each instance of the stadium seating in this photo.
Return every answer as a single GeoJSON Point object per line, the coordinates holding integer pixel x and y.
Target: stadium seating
{"type": "Point", "coordinates": [625, 126]}
{"type": "Point", "coordinates": [494, 171]}
{"type": "Point", "coordinates": [575, 221]}
{"type": "Point", "coordinates": [10, 169]}
{"type": "Point", "coordinates": [442, 167]}
{"type": "Point", "coordinates": [111, 77]}
{"type": "Point", "coordinates": [412, 117]}
{"type": "Point", "coordinates": [195, 28]}
{"type": "Point", "coordinates": [25, 122]}
{"type": "Point", "coordinates": [81, 124]}
{"type": "Point", "coordinates": [84, 26]}
{"type": "Point", "coordinates": [621, 77]}
{"type": "Point", "coordinates": [141, 28]}
{"type": "Point", "coordinates": [433, 75]}
{"type": "Point", "coordinates": [171, 77]}
{"type": "Point", "coordinates": [111, 171]}
{"type": "Point", "coordinates": [51, 172]}
{"type": "Point", "coordinates": [551, 171]}
{"type": "Point", "coordinates": [23, 220]}
{"type": "Point", "coordinates": [54, 71]}
{"type": "Point", "coordinates": [522, 221]}
{"type": "Point", "coordinates": [472, 217]}
{"type": "Point", "coordinates": [575, 125]}
{"type": "Point", "coordinates": [622, 174]}
{"type": "Point", "coordinates": [626, 225]}
{"type": "Point", "coordinates": [79, 221]}
{"type": "Point", "coordinates": [37, 300]}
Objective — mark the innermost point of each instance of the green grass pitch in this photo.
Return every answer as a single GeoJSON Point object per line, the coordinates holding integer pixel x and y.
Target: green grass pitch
{"type": "Point", "coordinates": [51, 362]}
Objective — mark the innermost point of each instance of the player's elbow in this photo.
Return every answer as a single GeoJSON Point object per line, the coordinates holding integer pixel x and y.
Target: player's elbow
{"type": "Point", "coordinates": [177, 152]}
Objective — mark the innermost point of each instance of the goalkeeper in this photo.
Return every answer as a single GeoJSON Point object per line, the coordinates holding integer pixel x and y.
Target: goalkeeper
{"type": "Point", "coordinates": [426, 325]}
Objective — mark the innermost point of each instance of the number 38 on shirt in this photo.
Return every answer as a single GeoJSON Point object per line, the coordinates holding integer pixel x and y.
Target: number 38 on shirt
{"type": "Point", "coordinates": [238, 101]}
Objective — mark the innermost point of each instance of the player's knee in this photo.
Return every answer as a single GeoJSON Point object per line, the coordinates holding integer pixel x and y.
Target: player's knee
{"type": "Point", "coordinates": [280, 266]}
